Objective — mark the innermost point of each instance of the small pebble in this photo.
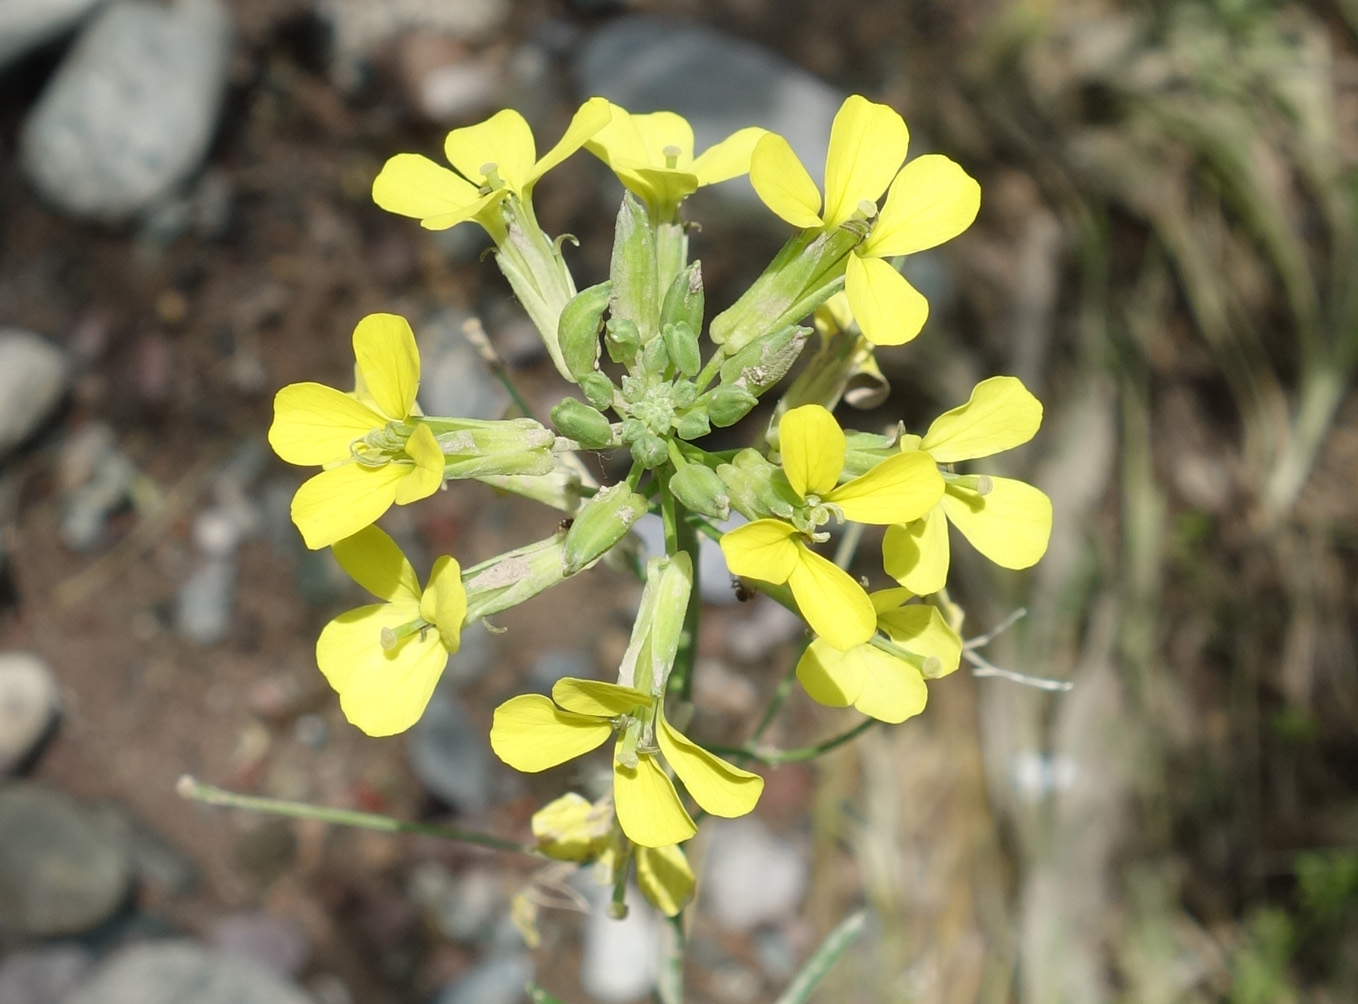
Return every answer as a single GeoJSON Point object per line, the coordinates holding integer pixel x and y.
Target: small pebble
{"type": "Point", "coordinates": [30, 703]}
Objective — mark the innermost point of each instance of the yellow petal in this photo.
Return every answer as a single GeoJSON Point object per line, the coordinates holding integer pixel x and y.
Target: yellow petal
{"type": "Point", "coordinates": [343, 500]}
{"type": "Point", "coordinates": [530, 733]}
{"type": "Point", "coordinates": [1010, 525]}
{"type": "Point", "coordinates": [999, 415]}
{"type": "Point", "coordinates": [425, 475]}
{"type": "Point", "coordinates": [761, 550]}
{"type": "Point", "coordinates": [660, 130]}
{"type": "Point", "coordinates": [373, 560]}
{"type": "Point", "coordinates": [719, 787]}
{"type": "Point", "coordinates": [648, 807]}
{"type": "Point", "coordinates": [388, 362]}
{"type": "Point", "coordinates": [902, 487]}
{"type": "Point", "coordinates": [728, 159]}
{"type": "Point", "coordinates": [380, 692]}
{"type": "Point", "coordinates": [619, 140]}
{"type": "Point", "coordinates": [412, 185]}
{"type": "Point", "coordinates": [571, 828]}
{"type": "Point", "coordinates": [812, 446]}
{"type": "Point", "coordinates": [782, 182]}
{"type": "Point", "coordinates": [594, 697]}
{"type": "Point", "coordinates": [921, 629]}
{"type": "Point", "coordinates": [868, 142]}
{"type": "Point", "coordinates": [916, 555]}
{"type": "Point", "coordinates": [665, 878]}
{"type": "Point", "coordinates": [886, 600]}
{"type": "Point", "coordinates": [503, 140]}
{"type": "Point", "coordinates": [444, 603]}
{"type": "Point", "coordinates": [931, 201]}
{"type": "Point", "coordinates": [829, 676]}
{"type": "Point", "coordinates": [659, 186]}
{"type": "Point", "coordinates": [889, 310]}
{"type": "Point", "coordinates": [836, 606]}
{"type": "Point", "coordinates": [314, 424]}
{"type": "Point", "coordinates": [592, 116]}
{"type": "Point", "coordinates": [893, 690]}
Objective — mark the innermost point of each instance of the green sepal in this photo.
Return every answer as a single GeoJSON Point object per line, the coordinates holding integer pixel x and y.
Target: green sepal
{"type": "Point", "coordinates": [599, 390]}
{"type": "Point", "coordinates": [766, 360]}
{"type": "Point", "coordinates": [699, 489]}
{"type": "Point", "coordinates": [757, 487]}
{"type": "Point", "coordinates": [681, 342]}
{"type": "Point", "coordinates": [579, 328]}
{"type": "Point", "coordinates": [728, 404]}
{"type": "Point", "coordinates": [586, 425]}
{"type": "Point", "coordinates": [684, 299]}
{"type": "Point", "coordinates": [602, 522]}
{"type": "Point", "coordinates": [633, 269]}
{"type": "Point", "coordinates": [692, 425]}
{"type": "Point", "coordinates": [473, 448]}
{"type": "Point", "coordinates": [865, 450]}
{"type": "Point", "coordinates": [622, 339]}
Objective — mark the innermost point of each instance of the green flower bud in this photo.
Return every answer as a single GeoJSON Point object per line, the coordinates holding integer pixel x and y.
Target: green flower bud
{"type": "Point", "coordinates": [683, 394]}
{"type": "Point", "coordinates": [582, 423]}
{"type": "Point", "coordinates": [473, 448]}
{"type": "Point", "coordinates": [598, 389]}
{"type": "Point", "coordinates": [622, 339]}
{"type": "Point", "coordinates": [765, 361]}
{"type": "Point", "coordinates": [682, 344]}
{"type": "Point", "coordinates": [633, 269]}
{"type": "Point", "coordinates": [655, 357]}
{"type": "Point", "coordinates": [649, 451]}
{"type": "Point", "coordinates": [578, 330]}
{"type": "Point", "coordinates": [684, 299]}
{"type": "Point", "coordinates": [603, 521]}
{"type": "Point", "coordinates": [700, 490]}
{"type": "Point", "coordinates": [692, 425]}
{"type": "Point", "coordinates": [728, 404]}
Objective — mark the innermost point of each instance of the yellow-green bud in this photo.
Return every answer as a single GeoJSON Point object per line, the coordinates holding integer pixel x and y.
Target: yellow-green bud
{"type": "Point", "coordinates": [655, 357]}
{"type": "Point", "coordinates": [728, 404]}
{"type": "Point", "coordinates": [598, 389]}
{"type": "Point", "coordinates": [692, 425]}
{"type": "Point", "coordinates": [699, 489]}
{"type": "Point", "coordinates": [584, 424]}
{"type": "Point", "coordinates": [766, 360]}
{"type": "Point", "coordinates": [622, 339]}
{"type": "Point", "coordinates": [633, 269]}
{"type": "Point", "coordinates": [649, 451]}
{"type": "Point", "coordinates": [684, 299]}
{"type": "Point", "coordinates": [578, 330]}
{"type": "Point", "coordinates": [603, 521]}
{"type": "Point", "coordinates": [681, 342]}
{"type": "Point", "coordinates": [659, 626]}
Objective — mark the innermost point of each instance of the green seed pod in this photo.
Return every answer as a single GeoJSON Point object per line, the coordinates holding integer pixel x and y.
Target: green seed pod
{"type": "Point", "coordinates": [681, 342]}
{"type": "Point", "coordinates": [578, 330]}
{"type": "Point", "coordinates": [765, 361]}
{"type": "Point", "coordinates": [701, 491]}
{"type": "Point", "coordinates": [649, 451]}
{"type": "Point", "coordinates": [633, 269]}
{"type": "Point", "coordinates": [598, 389]}
{"type": "Point", "coordinates": [622, 339]}
{"type": "Point", "coordinates": [728, 404]}
{"type": "Point", "coordinates": [603, 521]}
{"type": "Point", "coordinates": [582, 423]}
{"type": "Point", "coordinates": [684, 299]}
{"type": "Point", "coordinates": [692, 425]}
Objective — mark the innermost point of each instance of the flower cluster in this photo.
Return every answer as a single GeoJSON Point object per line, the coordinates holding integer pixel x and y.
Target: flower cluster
{"type": "Point", "coordinates": [653, 375]}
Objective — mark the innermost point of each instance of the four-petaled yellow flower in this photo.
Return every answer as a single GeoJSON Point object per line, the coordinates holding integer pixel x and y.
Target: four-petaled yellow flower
{"type": "Point", "coordinates": [878, 683]}
{"type": "Point", "coordinates": [652, 155]}
{"type": "Point", "coordinates": [493, 159]}
{"type": "Point", "coordinates": [1008, 521]}
{"type": "Point", "coordinates": [532, 733]}
{"type": "Point", "coordinates": [373, 451]}
{"type": "Point", "coordinates": [385, 659]}
{"type": "Point", "coordinates": [931, 200]}
{"type": "Point", "coordinates": [813, 451]}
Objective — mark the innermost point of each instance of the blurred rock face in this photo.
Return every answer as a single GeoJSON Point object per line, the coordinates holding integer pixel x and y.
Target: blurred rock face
{"type": "Point", "coordinates": [27, 24]}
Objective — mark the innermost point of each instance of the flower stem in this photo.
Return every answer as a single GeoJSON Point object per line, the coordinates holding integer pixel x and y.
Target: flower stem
{"type": "Point", "coordinates": [772, 757]}
{"type": "Point", "coordinates": [190, 788]}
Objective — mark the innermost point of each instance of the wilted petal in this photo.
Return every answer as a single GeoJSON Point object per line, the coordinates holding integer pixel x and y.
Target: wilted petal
{"type": "Point", "coordinates": [916, 554]}
{"type": "Point", "coordinates": [812, 446]}
{"type": "Point", "coordinates": [921, 629]}
{"type": "Point", "coordinates": [530, 733]}
{"type": "Point", "coordinates": [388, 362]}
{"type": "Point", "coordinates": [314, 424]}
{"type": "Point", "coordinates": [594, 697]}
{"type": "Point", "coordinates": [782, 183]}
{"type": "Point", "coordinates": [829, 676]}
{"type": "Point", "coordinates": [648, 807]}
{"type": "Point", "coordinates": [761, 550]}
{"type": "Point", "coordinates": [999, 415]}
{"type": "Point", "coordinates": [931, 201]}
{"type": "Point", "coordinates": [868, 142]}
{"type": "Point", "coordinates": [831, 601]}
{"type": "Point", "coordinates": [343, 500]}
{"type": "Point", "coordinates": [719, 787]}
{"type": "Point", "coordinates": [665, 878]}
{"type": "Point", "coordinates": [901, 488]}
{"type": "Point", "coordinates": [1010, 525]}
{"type": "Point", "coordinates": [373, 560]}
{"type": "Point", "coordinates": [888, 309]}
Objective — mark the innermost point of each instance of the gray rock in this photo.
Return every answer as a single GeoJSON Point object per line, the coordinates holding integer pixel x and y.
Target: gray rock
{"type": "Point", "coordinates": [43, 975]}
{"type": "Point", "coordinates": [28, 24]}
{"type": "Point", "coordinates": [34, 374]}
{"type": "Point", "coordinates": [205, 602]}
{"type": "Point", "coordinates": [130, 113]}
{"type": "Point", "coordinates": [751, 876]}
{"type": "Point", "coordinates": [30, 701]}
{"type": "Point", "coordinates": [279, 944]}
{"type": "Point", "coordinates": [98, 479]}
{"type": "Point", "coordinates": [181, 972]}
{"type": "Point", "coordinates": [619, 959]}
{"type": "Point", "coordinates": [451, 756]}
{"type": "Point", "coordinates": [453, 379]}
{"type": "Point", "coordinates": [64, 868]}
{"type": "Point", "coordinates": [361, 26]}
{"type": "Point", "coordinates": [501, 979]}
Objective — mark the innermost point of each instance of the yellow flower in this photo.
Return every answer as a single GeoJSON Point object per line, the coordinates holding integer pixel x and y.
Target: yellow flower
{"type": "Point", "coordinates": [877, 682]}
{"type": "Point", "coordinates": [532, 733]}
{"type": "Point", "coordinates": [373, 454]}
{"type": "Point", "coordinates": [930, 200]}
{"type": "Point", "coordinates": [493, 159]}
{"type": "Point", "coordinates": [652, 155]}
{"type": "Point", "coordinates": [1008, 521]}
{"type": "Point", "coordinates": [813, 449]}
{"type": "Point", "coordinates": [384, 659]}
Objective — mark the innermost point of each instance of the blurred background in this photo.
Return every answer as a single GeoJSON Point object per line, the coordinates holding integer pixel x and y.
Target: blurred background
{"type": "Point", "coordinates": [1166, 254]}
